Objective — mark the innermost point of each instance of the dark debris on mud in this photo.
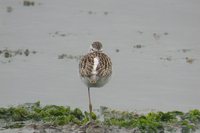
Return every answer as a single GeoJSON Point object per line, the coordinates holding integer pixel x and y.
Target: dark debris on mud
{"type": "Point", "coordinates": [69, 56]}
{"type": "Point", "coordinates": [7, 54]}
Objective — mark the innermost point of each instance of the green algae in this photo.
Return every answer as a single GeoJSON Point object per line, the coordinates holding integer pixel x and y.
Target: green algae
{"type": "Point", "coordinates": [19, 116]}
{"type": "Point", "coordinates": [156, 121]}
{"type": "Point", "coordinates": [51, 114]}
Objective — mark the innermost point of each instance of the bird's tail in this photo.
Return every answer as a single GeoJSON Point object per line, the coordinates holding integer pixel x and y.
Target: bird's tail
{"type": "Point", "coordinates": [93, 79]}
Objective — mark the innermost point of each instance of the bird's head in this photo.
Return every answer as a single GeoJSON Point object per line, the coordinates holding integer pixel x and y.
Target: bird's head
{"type": "Point", "coordinates": [96, 47]}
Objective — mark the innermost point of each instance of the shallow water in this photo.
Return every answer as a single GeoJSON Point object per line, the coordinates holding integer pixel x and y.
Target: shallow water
{"type": "Point", "coordinates": [154, 48]}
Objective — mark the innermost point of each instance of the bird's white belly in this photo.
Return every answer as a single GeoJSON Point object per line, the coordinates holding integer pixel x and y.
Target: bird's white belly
{"type": "Point", "coordinates": [99, 83]}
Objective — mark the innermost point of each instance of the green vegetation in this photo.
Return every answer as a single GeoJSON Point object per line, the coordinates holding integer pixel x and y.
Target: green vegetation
{"type": "Point", "coordinates": [155, 121]}
{"type": "Point", "coordinates": [51, 114]}
{"type": "Point", "coordinates": [16, 117]}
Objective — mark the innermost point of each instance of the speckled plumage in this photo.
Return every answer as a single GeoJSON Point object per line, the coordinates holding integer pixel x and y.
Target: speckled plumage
{"type": "Point", "coordinates": [103, 69]}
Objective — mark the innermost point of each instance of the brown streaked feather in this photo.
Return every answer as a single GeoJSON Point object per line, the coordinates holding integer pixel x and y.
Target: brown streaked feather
{"type": "Point", "coordinates": [104, 68]}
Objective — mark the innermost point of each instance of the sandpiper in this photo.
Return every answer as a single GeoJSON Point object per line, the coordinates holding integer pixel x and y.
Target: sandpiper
{"type": "Point", "coordinates": [95, 68]}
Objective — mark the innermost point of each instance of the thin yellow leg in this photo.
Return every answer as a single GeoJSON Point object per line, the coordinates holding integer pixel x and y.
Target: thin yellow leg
{"type": "Point", "coordinates": [90, 104]}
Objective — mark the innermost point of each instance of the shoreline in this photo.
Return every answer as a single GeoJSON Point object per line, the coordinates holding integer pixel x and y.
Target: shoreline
{"type": "Point", "coordinates": [33, 117]}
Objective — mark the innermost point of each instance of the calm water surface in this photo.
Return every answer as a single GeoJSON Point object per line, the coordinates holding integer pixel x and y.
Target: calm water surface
{"type": "Point", "coordinates": [155, 60]}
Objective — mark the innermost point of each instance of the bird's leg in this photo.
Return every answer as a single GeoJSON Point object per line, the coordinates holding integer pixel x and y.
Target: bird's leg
{"type": "Point", "coordinates": [90, 104]}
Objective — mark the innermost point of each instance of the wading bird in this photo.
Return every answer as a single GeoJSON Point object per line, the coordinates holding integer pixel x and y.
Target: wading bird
{"type": "Point", "coordinates": [95, 69]}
